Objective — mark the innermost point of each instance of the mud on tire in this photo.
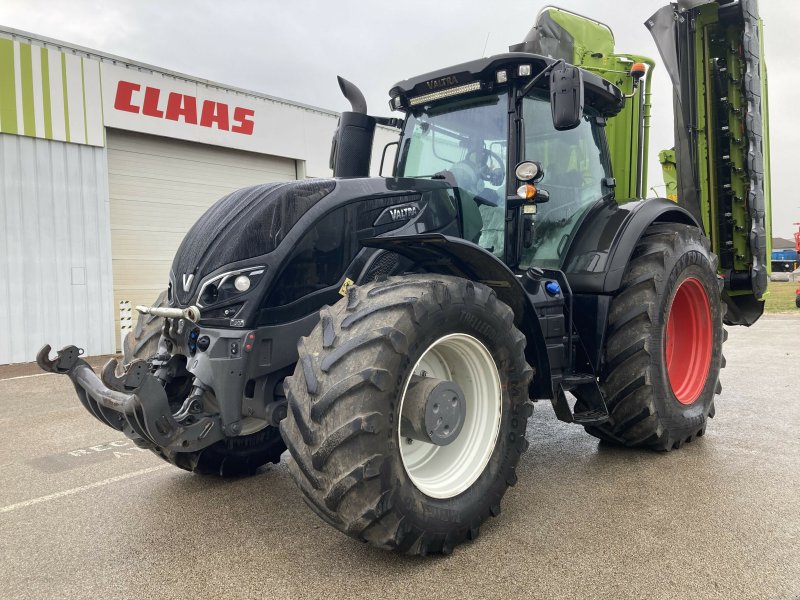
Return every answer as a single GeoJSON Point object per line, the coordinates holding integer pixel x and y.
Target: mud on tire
{"type": "Point", "coordinates": [645, 410]}
{"type": "Point", "coordinates": [342, 429]}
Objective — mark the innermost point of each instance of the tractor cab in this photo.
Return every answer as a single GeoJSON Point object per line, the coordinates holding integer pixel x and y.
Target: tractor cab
{"type": "Point", "coordinates": [521, 139]}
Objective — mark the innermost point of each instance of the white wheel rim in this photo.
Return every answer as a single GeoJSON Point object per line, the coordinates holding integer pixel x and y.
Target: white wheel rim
{"type": "Point", "coordinates": [447, 471]}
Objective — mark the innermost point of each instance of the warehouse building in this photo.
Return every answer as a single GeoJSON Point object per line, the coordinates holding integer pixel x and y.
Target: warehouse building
{"type": "Point", "coordinates": [105, 163]}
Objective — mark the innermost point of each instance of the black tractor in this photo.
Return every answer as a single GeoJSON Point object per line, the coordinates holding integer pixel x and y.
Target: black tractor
{"type": "Point", "coordinates": [394, 332]}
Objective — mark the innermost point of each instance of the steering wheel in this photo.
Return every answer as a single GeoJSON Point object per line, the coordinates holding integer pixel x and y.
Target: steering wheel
{"type": "Point", "coordinates": [491, 167]}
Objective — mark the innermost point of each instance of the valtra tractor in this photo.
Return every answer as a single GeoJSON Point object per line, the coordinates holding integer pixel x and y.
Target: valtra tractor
{"type": "Point", "coordinates": [394, 332]}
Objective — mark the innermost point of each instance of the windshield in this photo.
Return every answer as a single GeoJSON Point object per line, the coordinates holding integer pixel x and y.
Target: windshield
{"type": "Point", "coordinates": [574, 172]}
{"type": "Point", "coordinates": [465, 142]}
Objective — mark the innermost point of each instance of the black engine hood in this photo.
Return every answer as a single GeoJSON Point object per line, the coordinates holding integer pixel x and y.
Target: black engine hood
{"type": "Point", "coordinates": [244, 224]}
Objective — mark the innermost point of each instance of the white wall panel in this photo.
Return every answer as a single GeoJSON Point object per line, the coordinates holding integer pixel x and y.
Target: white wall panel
{"type": "Point", "coordinates": [77, 119]}
{"type": "Point", "coordinates": [55, 248]}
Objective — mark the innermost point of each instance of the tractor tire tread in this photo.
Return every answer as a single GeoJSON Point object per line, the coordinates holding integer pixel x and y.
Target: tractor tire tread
{"type": "Point", "coordinates": [337, 427]}
{"type": "Point", "coordinates": [627, 377]}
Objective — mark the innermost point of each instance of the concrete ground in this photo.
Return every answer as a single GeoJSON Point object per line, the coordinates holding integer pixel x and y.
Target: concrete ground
{"type": "Point", "coordinates": [83, 514]}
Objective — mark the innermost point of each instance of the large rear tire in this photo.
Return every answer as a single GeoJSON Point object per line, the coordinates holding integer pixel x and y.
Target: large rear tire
{"type": "Point", "coordinates": [663, 350]}
{"type": "Point", "coordinates": [232, 457]}
{"type": "Point", "coordinates": [348, 402]}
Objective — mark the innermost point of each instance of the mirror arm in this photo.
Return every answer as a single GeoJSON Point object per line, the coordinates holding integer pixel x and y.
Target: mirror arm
{"type": "Point", "coordinates": [389, 122]}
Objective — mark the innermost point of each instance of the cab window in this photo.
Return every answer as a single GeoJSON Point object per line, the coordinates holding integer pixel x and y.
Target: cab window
{"type": "Point", "coordinates": [464, 141]}
{"type": "Point", "coordinates": [575, 169]}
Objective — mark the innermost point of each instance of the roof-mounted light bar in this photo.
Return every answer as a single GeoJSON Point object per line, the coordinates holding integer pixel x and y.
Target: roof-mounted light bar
{"type": "Point", "coordinates": [447, 93]}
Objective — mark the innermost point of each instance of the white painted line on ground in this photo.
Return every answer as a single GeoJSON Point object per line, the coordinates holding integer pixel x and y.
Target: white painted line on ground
{"type": "Point", "coordinates": [82, 488]}
{"type": "Point", "coordinates": [26, 376]}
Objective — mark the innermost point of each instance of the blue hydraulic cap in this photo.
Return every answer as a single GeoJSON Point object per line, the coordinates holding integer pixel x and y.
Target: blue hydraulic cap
{"type": "Point", "coordinates": [552, 288]}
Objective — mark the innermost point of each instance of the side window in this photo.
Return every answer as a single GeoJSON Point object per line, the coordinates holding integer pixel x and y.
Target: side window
{"type": "Point", "coordinates": [431, 149]}
{"type": "Point", "coordinates": [574, 170]}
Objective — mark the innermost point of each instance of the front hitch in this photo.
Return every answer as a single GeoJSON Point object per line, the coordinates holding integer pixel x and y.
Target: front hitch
{"type": "Point", "coordinates": [134, 402]}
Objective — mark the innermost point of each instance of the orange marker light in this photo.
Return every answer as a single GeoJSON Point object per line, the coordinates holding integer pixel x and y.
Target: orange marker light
{"type": "Point", "coordinates": [526, 191]}
{"type": "Point", "coordinates": [638, 70]}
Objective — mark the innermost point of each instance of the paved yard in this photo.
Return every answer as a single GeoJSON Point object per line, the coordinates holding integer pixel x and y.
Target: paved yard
{"type": "Point", "coordinates": [83, 514]}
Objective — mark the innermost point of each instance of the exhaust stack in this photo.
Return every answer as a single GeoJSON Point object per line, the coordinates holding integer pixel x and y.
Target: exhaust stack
{"type": "Point", "coordinates": [351, 148]}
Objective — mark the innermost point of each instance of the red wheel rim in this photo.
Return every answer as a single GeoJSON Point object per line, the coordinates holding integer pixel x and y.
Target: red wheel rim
{"type": "Point", "coordinates": [689, 341]}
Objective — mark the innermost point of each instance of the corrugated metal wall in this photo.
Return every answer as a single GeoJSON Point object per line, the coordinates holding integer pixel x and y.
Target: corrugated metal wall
{"type": "Point", "coordinates": [55, 248]}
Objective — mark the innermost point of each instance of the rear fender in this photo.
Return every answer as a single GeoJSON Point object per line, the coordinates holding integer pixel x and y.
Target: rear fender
{"type": "Point", "coordinates": [602, 248]}
{"type": "Point", "coordinates": [436, 253]}
{"type": "Point", "coordinates": [625, 231]}
{"type": "Point", "coordinates": [598, 258]}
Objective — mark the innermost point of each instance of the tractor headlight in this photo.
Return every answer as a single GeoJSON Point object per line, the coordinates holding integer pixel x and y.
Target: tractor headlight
{"type": "Point", "coordinates": [527, 171]}
{"type": "Point", "coordinates": [227, 286]}
{"type": "Point", "coordinates": [242, 283]}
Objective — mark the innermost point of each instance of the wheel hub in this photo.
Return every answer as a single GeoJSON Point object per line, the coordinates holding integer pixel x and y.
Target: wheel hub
{"type": "Point", "coordinates": [433, 410]}
{"type": "Point", "coordinates": [456, 365]}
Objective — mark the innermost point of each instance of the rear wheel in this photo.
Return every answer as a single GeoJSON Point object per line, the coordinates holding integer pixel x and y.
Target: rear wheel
{"type": "Point", "coordinates": [408, 410]}
{"type": "Point", "coordinates": [230, 457]}
{"type": "Point", "coordinates": [663, 349]}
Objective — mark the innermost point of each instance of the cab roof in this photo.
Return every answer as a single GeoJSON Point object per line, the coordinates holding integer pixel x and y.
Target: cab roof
{"type": "Point", "coordinates": [600, 94]}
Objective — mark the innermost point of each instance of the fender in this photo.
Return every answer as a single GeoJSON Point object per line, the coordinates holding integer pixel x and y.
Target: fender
{"type": "Point", "coordinates": [437, 253]}
{"type": "Point", "coordinates": [603, 245]}
{"type": "Point", "coordinates": [598, 256]}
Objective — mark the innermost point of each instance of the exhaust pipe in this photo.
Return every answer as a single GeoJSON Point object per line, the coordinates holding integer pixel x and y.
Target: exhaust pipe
{"type": "Point", "coordinates": [353, 95]}
{"type": "Point", "coordinates": [351, 148]}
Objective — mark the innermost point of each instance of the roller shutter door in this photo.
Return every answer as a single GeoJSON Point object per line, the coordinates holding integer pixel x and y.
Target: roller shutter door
{"type": "Point", "coordinates": [158, 187]}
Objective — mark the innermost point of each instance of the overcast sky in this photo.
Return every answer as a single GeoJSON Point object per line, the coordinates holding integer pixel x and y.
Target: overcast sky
{"type": "Point", "coordinates": [294, 49]}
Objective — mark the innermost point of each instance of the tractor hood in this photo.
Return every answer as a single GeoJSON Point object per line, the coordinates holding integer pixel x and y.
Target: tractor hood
{"type": "Point", "coordinates": [297, 242]}
{"type": "Point", "coordinates": [244, 224]}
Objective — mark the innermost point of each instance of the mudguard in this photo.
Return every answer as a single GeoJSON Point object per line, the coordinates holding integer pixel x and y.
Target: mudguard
{"type": "Point", "coordinates": [436, 253]}
{"type": "Point", "coordinates": [603, 245]}
{"type": "Point", "coordinates": [598, 257]}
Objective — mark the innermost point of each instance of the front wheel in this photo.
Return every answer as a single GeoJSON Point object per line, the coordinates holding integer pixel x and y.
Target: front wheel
{"type": "Point", "coordinates": [663, 350]}
{"type": "Point", "coordinates": [408, 410]}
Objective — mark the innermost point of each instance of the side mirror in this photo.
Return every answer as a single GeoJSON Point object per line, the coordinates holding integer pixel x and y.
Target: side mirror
{"type": "Point", "coordinates": [566, 97]}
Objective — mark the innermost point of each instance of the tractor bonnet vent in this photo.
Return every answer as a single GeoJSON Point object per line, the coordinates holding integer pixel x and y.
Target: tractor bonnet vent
{"type": "Point", "coordinates": [244, 224]}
